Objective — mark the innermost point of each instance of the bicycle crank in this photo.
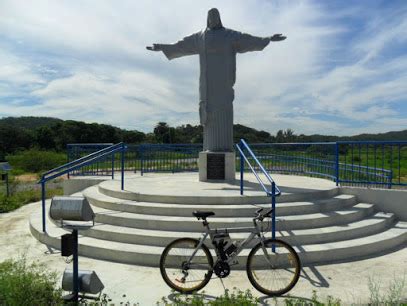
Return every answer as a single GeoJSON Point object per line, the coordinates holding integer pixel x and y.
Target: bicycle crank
{"type": "Point", "coordinates": [221, 269]}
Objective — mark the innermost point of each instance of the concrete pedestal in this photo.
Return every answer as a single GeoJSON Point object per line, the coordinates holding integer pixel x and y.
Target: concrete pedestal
{"type": "Point", "coordinates": [217, 166]}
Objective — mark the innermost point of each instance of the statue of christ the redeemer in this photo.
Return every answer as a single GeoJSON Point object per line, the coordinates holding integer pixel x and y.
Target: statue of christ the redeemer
{"type": "Point", "coordinates": [217, 47]}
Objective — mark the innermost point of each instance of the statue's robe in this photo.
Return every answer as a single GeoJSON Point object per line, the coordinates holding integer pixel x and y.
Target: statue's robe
{"type": "Point", "coordinates": [217, 50]}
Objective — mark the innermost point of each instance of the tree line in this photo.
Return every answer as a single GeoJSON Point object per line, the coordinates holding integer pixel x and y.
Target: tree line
{"type": "Point", "coordinates": [21, 133]}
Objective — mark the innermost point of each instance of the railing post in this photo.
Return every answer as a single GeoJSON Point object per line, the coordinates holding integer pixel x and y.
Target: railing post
{"type": "Point", "coordinates": [113, 166]}
{"type": "Point", "coordinates": [273, 216]}
{"type": "Point", "coordinates": [390, 178]}
{"type": "Point", "coordinates": [241, 170]}
{"type": "Point", "coordinates": [141, 159]}
{"type": "Point", "coordinates": [44, 229]}
{"type": "Point", "coordinates": [123, 148]}
{"type": "Point", "coordinates": [68, 157]}
{"type": "Point", "coordinates": [337, 163]}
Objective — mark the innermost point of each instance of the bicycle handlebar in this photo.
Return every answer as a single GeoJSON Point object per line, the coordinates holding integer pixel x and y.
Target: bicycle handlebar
{"type": "Point", "coordinates": [260, 216]}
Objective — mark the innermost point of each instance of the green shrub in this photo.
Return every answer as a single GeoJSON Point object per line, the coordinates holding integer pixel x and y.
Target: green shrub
{"type": "Point", "coordinates": [34, 160]}
{"type": "Point", "coordinates": [27, 284]}
{"type": "Point", "coordinates": [18, 199]}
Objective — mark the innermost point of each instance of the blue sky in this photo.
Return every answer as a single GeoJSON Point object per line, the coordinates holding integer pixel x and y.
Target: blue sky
{"type": "Point", "coordinates": [341, 71]}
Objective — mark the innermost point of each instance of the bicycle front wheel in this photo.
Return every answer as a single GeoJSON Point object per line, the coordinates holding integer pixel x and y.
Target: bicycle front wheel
{"type": "Point", "coordinates": [183, 270]}
{"type": "Point", "coordinates": [274, 267]}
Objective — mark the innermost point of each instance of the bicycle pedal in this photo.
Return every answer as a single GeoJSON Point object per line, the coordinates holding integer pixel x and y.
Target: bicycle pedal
{"type": "Point", "coordinates": [182, 281]}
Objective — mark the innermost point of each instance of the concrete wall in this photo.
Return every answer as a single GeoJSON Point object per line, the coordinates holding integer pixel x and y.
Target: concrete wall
{"type": "Point", "coordinates": [74, 185]}
{"type": "Point", "coordinates": [387, 200]}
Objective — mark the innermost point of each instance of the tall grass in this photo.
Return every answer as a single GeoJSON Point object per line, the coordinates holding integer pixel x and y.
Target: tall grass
{"type": "Point", "coordinates": [35, 160]}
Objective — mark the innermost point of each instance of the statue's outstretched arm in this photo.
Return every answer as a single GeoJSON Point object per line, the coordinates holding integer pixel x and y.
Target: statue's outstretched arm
{"type": "Point", "coordinates": [186, 46]}
{"type": "Point", "coordinates": [154, 47]}
{"type": "Point", "coordinates": [277, 37]}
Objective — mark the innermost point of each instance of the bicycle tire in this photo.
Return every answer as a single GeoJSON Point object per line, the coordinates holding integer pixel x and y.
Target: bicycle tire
{"type": "Point", "coordinates": [175, 255]}
{"type": "Point", "coordinates": [261, 266]}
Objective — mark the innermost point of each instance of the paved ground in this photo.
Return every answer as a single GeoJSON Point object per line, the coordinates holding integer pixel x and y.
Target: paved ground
{"type": "Point", "coordinates": [347, 281]}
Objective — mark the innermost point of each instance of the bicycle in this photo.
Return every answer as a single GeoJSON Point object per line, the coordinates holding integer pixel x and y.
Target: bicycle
{"type": "Point", "coordinates": [187, 265]}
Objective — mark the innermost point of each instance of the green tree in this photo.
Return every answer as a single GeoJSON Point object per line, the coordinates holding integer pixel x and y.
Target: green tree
{"type": "Point", "coordinates": [162, 132]}
{"type": "Point", "coordinates": [45, 137]}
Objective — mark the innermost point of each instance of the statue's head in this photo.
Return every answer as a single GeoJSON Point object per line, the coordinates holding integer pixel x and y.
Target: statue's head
{"type": "Point", "coordinates": [214, 21]}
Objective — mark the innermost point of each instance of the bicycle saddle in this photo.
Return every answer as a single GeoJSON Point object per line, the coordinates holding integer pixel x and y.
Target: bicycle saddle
{"type": "Point", "coordinates": [203, 214]}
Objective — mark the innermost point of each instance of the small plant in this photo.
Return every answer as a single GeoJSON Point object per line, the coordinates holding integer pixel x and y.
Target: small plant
{"type": "Point", "coordinates": [314, 301]}
{"type": "Point", "coordinates": [394, 292]}
{"type": "Point", "coordinates": [27, 284]}
{"type": "Point", "coordinates": [236, 297]}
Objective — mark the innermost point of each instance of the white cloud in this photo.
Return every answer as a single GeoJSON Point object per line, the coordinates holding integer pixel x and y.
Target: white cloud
{"type": "Point", "coordinates": [87, 61]}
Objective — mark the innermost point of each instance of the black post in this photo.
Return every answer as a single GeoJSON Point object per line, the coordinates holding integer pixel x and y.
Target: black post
{"type": "Point", "coordinates": [75, 266]}
{"type": "Point", "coordinates": [7, 187]}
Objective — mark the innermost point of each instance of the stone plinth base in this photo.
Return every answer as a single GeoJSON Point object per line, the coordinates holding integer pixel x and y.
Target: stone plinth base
{"type": "Point", "coordinates": [217, 166]}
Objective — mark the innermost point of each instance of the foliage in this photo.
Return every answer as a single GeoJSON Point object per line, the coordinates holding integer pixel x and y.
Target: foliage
{"type": "Point", "coordinates": [236, 297]}
{"type": "Point", "coordinates": [314, 301]}
{"type": "Point", "coordinates": [27, 284]}
{"type": "Point", "coordinates": [54, 134]}
{"type": "Point", "coordinates": [21, 133]}
{"type": "Point", "coordinates": [392, 296]}
{"type": "Point", "coordinates": [34, 160]}
{"type": "Point", "coordinates": [20, 198]}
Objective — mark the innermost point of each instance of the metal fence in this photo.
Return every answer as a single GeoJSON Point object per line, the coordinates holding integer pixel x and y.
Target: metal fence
{"type": "Point", "coordinates": [373, 163]}
{"type": "Point", "coordinates": [356, 163]}
{"type": "Point", "coordinates": [169, 158]}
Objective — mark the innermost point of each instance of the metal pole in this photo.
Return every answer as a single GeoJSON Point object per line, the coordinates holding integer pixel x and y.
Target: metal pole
{"type": "Point", "coordinates": [273, 216]}
{"type": "Point", "coordinates": [123, 166]}
{"type": "Point", "coordinates": [75, 266]}
{"type": "Point", "coordinates": [7, 186]}
{"type": "Point", "coordinates": [113, 166]}
{"type": "Point", "coordinates": [44, 230]}
{"type": "Point", "coordinates": [337, 163]}
{"type": "Point", "coordinates": [68, 157]}
{"type": "Point", "coordinates": [390, 178]}
{"type": "Point", "coordinates": [141, 159]}
{"type": "Point", "coordinates": [241, 170]}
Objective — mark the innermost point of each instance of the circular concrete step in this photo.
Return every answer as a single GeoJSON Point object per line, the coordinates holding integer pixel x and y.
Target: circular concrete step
{"type": "Point", "coordinates": [226, 210]}
{"type": "Point", "coordinates": [149, 255]}
{"type": "Point", "coordinates": [191, 224]}
{"type": "Point", "coordinates": [375, 224]}
{"type": "Point", "coordinates": [184, 188]}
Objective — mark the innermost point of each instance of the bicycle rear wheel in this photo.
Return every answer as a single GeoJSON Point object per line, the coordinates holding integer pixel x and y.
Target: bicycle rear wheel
{"type": "Point", "coordinates": [273, 272]}
{"type": "Point", "coordinates": [183, 273]}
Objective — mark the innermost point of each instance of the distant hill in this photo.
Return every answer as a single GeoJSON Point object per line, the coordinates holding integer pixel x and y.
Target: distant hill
{"type": "Point", "coordinates": [21, 133]}
{"type": "Point", "coordinates": [29, 123]}
{"type": "Point", "coordinates": [388, 136]}
{"type": "Point", "coordinates": [399, 135]}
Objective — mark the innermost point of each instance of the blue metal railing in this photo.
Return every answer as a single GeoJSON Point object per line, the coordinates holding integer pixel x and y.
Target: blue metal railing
{"type": "Point", "coordinates": [169, 157]}
{"type": "Point", "coordinates": [372, 163]}
{"type": "Point", "coordinates": [78, 164]}
{"type": "Point", "coordinates": [356, 163]}
{"type": "Point", "coordinates": [273, 192]}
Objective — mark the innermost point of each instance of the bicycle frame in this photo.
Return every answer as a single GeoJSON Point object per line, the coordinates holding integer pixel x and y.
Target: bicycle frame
{"type": "Point", "coordinates": [255, 231]}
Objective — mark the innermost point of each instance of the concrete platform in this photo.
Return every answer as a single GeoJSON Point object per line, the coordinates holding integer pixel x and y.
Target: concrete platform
{"type": "Point", "coordinates": [324, 224]}
{"type": "Point", "coordinates": [124, 282]}
{"type": "Point", "coordinates": [185, 188]}
{"type": "Point", "coordinates": [135, 224]}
